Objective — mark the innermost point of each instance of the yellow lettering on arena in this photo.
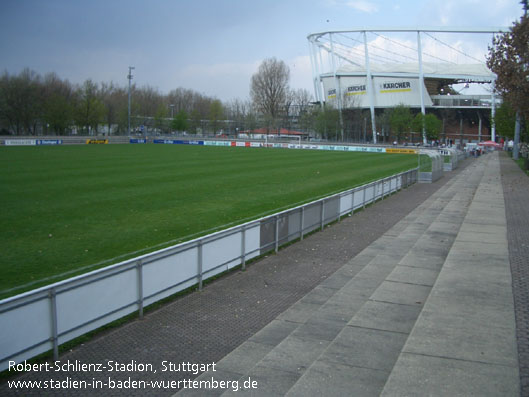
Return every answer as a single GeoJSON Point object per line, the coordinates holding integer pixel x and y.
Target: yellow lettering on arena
{"type": "Point", "coordinates": [96, 141]}
{"type": "Point", "coordinates": [400, 90]}
{"type": "Point", "coordinates": [402, 151]}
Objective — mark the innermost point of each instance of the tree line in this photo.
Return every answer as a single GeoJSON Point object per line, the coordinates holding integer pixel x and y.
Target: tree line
{"type": "Point", "coordinates": [31, 104]}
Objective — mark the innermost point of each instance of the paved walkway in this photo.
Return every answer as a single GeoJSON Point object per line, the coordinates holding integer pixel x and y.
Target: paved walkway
{"type": "Point", "coordinates": [411, 296]}
{"type": "Point", "coordinates": [516, 192]}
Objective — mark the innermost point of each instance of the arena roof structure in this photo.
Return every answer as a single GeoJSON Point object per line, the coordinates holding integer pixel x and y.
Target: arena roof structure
{"type": "Point", "coordinates": [415, 67]}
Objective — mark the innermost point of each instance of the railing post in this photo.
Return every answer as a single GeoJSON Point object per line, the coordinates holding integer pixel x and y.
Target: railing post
{"type": "Point", "coordinates": [199, 259]}
{"type": "Point", "coordinates": [339, 208]}
{"type": "Point", "coordinates": [276, 248]}
{"type": "Point", "coordinates": [353, 202]}
{"type": "Point", "coordinates": [302, 223]}
{"type": "Point", "coordinates": [382, 188]}
{"type": "Point", "coordinates": [322, 212]}
{"type": "Point", "coordinates": [52, 294]}
{"type": "Point", "coordinates": [364, 199]}
{"type": "Point", "coordinates": [139, 267]}
{"type": "Point", "coordinates": [243, 247]}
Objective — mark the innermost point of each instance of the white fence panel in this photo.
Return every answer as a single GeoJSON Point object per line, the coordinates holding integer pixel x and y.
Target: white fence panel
{"type": "Point", "coordinates": [168, 275]}
{"type": "Point", "coordinates": [369, 193]}
{"type": "Point", "coordinates": [89, 302]}
{"type": "Point", "coordinates": [294, 224]}
{"type": "Point", "coordinates": [221, 254]}
{"type": "Point", "coordinates": [26, 326]}
{"type": "Point", "coordinates": [359, 198]}
{"type": "Point", "coordinates": [346, 203]}
{"type": "Point", "coordinates": [252, 241]}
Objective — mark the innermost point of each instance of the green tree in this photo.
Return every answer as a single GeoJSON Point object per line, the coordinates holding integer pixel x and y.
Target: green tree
{"type": "Point", "coordinates": [505, 119]}
{"type": "Point", "coordinates": [58, 113]}
{"type": "Point", "coordinates": [400, 120]}
{"type": "Point", "coordinates": [160, 118]}
{"type": "Point", "coordinates": [21, 99]}
{"type": "Point", "coordinates": [509, 59]}
{"type": "Point", "coordinates": [195, 121]}
{"type": "Point", "coordinates": [327, 122]}
{"type": "Point", "coordinates": [432, 126]}
{"type": "Point", "coordinates": [57, 106]}
{"type": "Point", "coordinates": [180, 123]}
{"type": "Point", "coordinates": [384, 124]}
{"type": "Point", "coordinates": [89, 110]}
{"type": "Point", "coordinates": [115, 100]}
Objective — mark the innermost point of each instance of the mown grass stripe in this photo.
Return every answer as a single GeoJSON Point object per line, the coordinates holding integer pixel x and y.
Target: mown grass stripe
{"type": "Point", "coordinates": [68, 207]}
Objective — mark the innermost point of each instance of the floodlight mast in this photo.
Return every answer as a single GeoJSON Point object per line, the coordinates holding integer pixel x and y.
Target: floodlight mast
{"type": "Point", "coordinates": [131, 68]}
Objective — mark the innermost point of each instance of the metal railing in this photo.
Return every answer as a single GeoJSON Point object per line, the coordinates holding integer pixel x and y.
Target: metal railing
{"type": "Point", "coordinates": [40, 320]}
{"type": "Point", "coordinates": [464, 101]}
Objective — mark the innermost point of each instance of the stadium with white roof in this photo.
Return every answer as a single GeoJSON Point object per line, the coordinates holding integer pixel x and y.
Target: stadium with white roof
{"type": "Point", "coordinates": [429, 70]}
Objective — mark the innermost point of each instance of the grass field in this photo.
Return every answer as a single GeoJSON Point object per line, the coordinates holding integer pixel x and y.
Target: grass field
{"type": "Point", "coordinates": [69, 209]}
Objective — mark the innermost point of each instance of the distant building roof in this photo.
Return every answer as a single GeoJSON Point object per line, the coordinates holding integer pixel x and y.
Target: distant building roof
{"type": "Point", "coordinates": [438, 69]}
{"type": "Point", "coordinates": [282, 131]}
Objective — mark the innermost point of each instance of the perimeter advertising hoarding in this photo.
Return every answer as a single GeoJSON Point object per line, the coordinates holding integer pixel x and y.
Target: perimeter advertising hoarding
{"type": "Point", "coordinates": [340, 148]}
{"type": "Point", "coordinates": [402, 151]}
{"type": "Point", "coordinates": [96, 141]}
{"type": "Point", "coordinates": [217, 143]}
{"type": "Point", "coordinates": [32, 142]}
{"type": "Point", "coordinates": [20, 142]}
{"type": "Point", "coordinates": [177, 142]}
{"type": "Point", "coordinates": [49, 142]}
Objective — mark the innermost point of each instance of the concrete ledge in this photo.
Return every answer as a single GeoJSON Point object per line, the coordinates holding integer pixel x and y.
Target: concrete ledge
{"type": "Point", "coordinates": [464, 340]}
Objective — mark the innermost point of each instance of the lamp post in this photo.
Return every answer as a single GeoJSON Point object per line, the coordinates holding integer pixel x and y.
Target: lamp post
{"type": "Point", "coordinates": [172, 119]}
{"type": "Point", "coordinates": [131, 68]}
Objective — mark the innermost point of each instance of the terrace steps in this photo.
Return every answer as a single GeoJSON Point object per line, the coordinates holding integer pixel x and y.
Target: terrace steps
{"type": "Point", "coordinates": [345, 336]}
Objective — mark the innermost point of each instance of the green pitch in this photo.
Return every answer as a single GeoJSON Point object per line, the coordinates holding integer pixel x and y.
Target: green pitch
{"type": "Point", "coordinates": [69, 209]}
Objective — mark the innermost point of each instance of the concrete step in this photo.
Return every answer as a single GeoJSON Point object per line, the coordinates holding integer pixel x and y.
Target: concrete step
{"type": "Point", "coordinates": [347, 333]}
{"type": "Point", "coordinates": [464, 342]}
{"type": "Point", "coordinates": [360, 359]}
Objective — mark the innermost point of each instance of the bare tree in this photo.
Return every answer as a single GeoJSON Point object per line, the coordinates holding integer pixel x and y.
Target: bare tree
{"type": "Point", "coordinates": [236, 111]}
{"type": "Point", "coordinates": [216, 112]}
{"type": "Point", "coordinates": [302, 99]}
{"type": "Point", "coordinates": [21, 101]}
{"type": "Point", "coordinates": [269, 88]}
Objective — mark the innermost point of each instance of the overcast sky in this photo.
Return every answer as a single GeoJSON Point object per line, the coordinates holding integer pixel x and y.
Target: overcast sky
{"type": "Point", "coordinates": [211, 46]}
